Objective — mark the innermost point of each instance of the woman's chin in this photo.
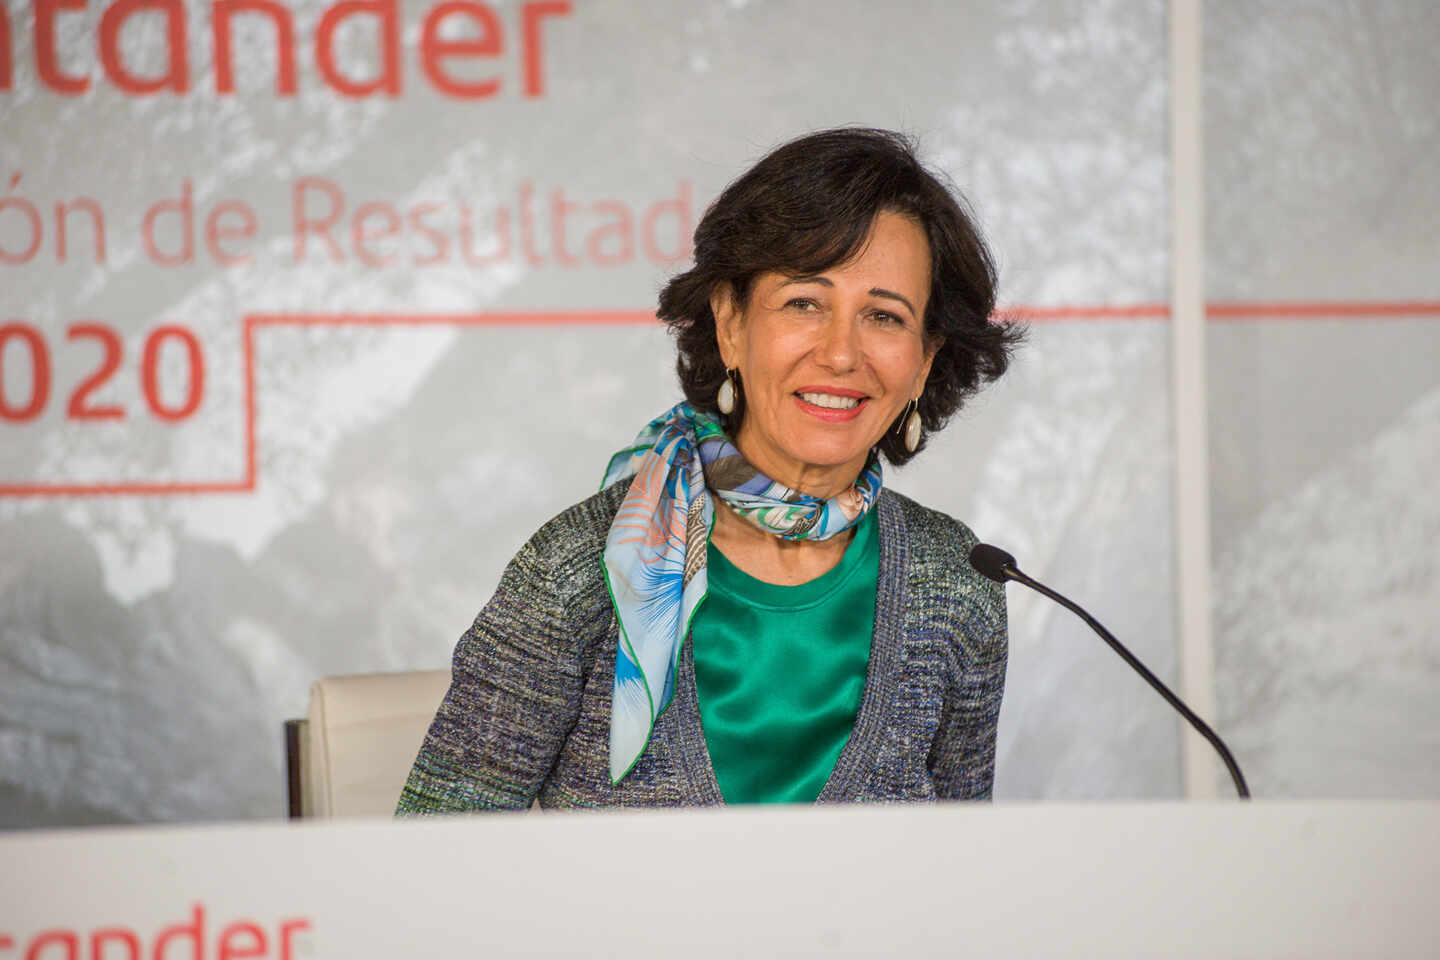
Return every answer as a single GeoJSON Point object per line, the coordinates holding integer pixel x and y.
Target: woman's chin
{"type": "Point", "coordinates": [804, 453]}
{"type": "Point", "coordinates": [830, 457]}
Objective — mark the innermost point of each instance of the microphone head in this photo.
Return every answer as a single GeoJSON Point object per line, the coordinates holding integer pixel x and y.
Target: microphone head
{"type": "Point", "coordinates": [992, 562]}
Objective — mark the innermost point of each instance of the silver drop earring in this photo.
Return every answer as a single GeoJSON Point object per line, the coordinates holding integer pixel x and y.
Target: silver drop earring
{"type": "Point", "coordinates": [725, 398]}
{"type": "Point", "coordinates": [913, 426]}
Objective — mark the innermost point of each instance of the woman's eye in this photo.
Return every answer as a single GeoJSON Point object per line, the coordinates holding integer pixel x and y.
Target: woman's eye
{"type": "Point", "coordinates": [889, 318]}
{"type": "Point", "coordinates": [800, 303]}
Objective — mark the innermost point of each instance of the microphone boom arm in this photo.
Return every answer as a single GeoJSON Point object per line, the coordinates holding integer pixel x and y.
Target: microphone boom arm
{"type": "Point", "coordinates": [1013, 573]}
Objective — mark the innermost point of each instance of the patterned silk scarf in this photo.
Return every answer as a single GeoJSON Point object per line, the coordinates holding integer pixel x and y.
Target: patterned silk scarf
{"type": "Point", "coordinates": [655, 553]}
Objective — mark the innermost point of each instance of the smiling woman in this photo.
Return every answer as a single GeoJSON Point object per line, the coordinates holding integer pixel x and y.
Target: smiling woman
{"type": "Point", "coordinates": [837, 355]}
{"type": "Point", "coordinates": [744, 613]}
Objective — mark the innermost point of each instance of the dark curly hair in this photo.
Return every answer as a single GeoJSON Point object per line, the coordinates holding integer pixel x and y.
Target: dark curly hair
{"type": "Point", "coordinates": [808, 206]}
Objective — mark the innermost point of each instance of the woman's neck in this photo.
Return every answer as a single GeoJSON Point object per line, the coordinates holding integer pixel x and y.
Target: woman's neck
{"type": "Point", "coordinates": [767, 557]}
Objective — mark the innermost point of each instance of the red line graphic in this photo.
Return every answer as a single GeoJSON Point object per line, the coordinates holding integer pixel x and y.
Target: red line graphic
{"type": "Point", "coordinates": [590, 318]}
{"type": "Point", "coordinates": [1369, 309]}
{"type": "Point", "coordinates": [1222, 312]}
{"type": "Point", "coordinates": [1133, 311]}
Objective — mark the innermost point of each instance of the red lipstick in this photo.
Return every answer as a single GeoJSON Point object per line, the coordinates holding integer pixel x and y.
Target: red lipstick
{"type": "Point", "coordinates": [830, 414]}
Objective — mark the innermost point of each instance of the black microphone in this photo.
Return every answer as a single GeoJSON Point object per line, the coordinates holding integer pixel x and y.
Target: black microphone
{"type": "Point", "coordinates": [1000, 566]}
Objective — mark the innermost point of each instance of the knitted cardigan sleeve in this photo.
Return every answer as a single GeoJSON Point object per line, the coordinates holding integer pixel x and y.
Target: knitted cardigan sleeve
{"type": "Point", "coordinates": [515, 687]}
{"type": "Point", "coordinates": [962, 755]}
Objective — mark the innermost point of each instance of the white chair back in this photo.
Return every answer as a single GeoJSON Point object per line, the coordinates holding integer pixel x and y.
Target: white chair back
{"type": "Point", "coordinates": [360, 739]}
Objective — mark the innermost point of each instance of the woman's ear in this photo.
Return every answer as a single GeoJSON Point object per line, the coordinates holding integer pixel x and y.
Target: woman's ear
{"type": "Point", "coordinates": [727, 323]}
{"type": "Point", "coordinates": [931, 348]}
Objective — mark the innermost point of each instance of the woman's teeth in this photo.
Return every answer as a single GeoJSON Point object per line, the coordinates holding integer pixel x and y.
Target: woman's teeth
{"type": "Point", "coordinates": [831, 401]}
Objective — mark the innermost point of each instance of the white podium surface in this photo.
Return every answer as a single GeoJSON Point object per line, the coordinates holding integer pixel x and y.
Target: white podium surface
{"type": "Point", "coordinates": [1171, 880]}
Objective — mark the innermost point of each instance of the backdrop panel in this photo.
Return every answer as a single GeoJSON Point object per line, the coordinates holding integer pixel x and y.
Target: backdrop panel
{"type": "Point", "coordinates": [1321, 131]}
{"type": "Point", "coordinates": [316, 319]}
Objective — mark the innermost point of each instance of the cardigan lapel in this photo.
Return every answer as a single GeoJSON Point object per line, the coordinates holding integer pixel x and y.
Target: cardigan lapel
{"type": "Point", "coordinates": [877, 701]}
{"type": "Point", "coordinates": [704, 785]}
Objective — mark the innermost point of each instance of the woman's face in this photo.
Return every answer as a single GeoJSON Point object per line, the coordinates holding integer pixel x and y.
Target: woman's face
{"type": "Point", "coordinates": [827, 362]}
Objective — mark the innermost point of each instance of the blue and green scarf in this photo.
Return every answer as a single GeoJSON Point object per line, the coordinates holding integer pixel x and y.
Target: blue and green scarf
{"type": "Point", "coordinates": [655, 552]}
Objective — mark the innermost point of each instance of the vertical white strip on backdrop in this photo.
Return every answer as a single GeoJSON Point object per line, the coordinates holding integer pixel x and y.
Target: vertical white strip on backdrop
{"type": "Point", "coordinates": [1187, 346]}
{"type": "Point", "coordinates": [1323, 361]}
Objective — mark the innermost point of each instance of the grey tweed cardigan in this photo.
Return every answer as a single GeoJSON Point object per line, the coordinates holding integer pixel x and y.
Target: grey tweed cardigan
{"type": "Point", "coordinates": [527, 714]}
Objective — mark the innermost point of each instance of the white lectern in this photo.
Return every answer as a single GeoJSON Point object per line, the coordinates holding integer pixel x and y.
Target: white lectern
{"type": "Point", "coordinates": [1154, 880]}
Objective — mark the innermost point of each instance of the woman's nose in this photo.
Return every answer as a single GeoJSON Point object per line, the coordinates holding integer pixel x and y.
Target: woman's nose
{"type": "Point", "coordinates": [839, 347]}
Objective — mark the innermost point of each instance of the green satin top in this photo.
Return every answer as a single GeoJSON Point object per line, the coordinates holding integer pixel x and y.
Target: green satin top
{"type": "Point", "coordinates": [779, 672]}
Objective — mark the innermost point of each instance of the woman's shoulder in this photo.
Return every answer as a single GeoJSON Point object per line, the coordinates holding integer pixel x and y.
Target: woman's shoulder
{"type": "Point", "coordinates": [937, 550]}
{"type": "Point", "coordinates": [569, 543]}
{"type": "Point", "coordinates": [930, 530]}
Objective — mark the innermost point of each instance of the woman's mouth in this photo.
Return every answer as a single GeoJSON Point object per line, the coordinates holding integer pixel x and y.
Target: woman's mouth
{"type": "Point", "coordinates": [832, 406]}
{"type": "Point", "coordinates": [830, 400]}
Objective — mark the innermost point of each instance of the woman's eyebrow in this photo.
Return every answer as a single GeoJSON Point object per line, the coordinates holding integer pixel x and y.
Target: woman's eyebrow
{"type": "Point", "coordinates": [891, 295]}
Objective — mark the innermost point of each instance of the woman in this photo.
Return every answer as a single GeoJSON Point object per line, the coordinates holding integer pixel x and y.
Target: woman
{"type": "Point", "coordinates": [743, 613]}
